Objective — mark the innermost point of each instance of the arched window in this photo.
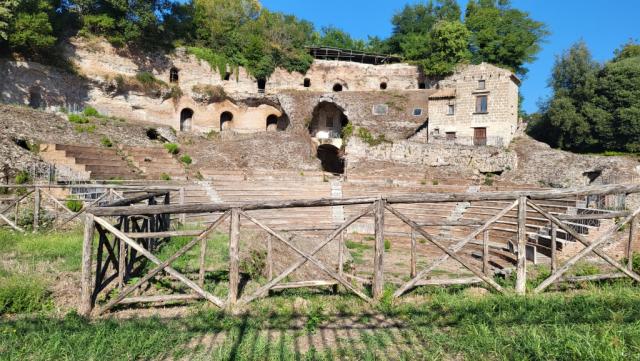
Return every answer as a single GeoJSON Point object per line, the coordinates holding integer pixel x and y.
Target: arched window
{"type": "Point", "coordinates": [185, 119]}
{"type": "Point", "coordinates": [307, 82]}
{"type": "Point", "coordinates": [226, 119]}
{"type": "Point", "coordinates": [337, 87]}
{"type": "Point", "coordinates": [173, 75]}
{"type": "Point", "coordinates": [383, 86]}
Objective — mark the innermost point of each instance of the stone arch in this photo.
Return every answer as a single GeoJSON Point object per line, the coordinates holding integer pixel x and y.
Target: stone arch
{"type": "Point", "coordinates": [174, 75]}
{"type": "Point", "coordinates": [272, 123]}
{"type": "Point", "coordinates": [327, 121]}
{"type": "Point", "coordinates": [186, 115]}
{"type": "Point", "coordinates": [331, 158]}
{"type": "Point", "coordinates": [226, 120]}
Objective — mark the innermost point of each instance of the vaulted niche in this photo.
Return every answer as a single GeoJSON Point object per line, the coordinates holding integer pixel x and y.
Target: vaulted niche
{"type": "Point", "coordinates": [328, 121]}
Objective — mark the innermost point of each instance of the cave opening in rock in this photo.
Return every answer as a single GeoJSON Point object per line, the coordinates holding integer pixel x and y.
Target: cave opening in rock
{"type": "Point", "coordinates": [272, 123]}
{"type": "Point", "coordinates": [337, 87]}
{"type": "Point", "coordinates": [331, 159]}
{"type": "Point", "coordinates": [173, 75]}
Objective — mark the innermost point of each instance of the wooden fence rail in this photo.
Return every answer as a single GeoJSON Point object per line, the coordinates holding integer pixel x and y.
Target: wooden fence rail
{"type": "Point", "coordinates": [127, 242]}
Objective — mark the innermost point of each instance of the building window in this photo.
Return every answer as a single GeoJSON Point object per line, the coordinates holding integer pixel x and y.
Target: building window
{"type": "Point", "coordinates": [451, 136]}
{"type": "Point", "coordinates": [481, 104]}
{"type": "Point", "coordinates": [417, 112]}
{"type": "Point", "coordinates": [482, 84]}
{"type": "Point", "coordinates": [380, 109]}
{"type": "Point", "coordinates": [451, 109]}
{"type": "Point", "coordinates": [436, 131]}
{"type": "Point", "coordinates": [307, 82]}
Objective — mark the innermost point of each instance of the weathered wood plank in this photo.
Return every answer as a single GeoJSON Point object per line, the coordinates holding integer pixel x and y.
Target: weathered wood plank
{"type": "Point", "coordinates": [161, 298]}
{"type": "Point", "coordinates": [633, 225]}
{"type": "Point", "coordinates": [86, 302]}
{"type": "Point", "coordinates": [234, 258]}
{"type": "Point", "coordinates": [304, 284]}
{"type": "Point", "coordinates": [450, 281]}
{"type": "Point", "coordinates": [378, 260]}
{"type": "Point", "coordinates": [521, 266]}
{"type": "Point", "coordinates": [417, 198]}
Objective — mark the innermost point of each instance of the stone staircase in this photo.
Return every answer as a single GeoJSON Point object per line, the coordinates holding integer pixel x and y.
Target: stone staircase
{"type": "Point", "coordinates": [155, 162]}
{"type": "Point", "coordinates": [96, 163]}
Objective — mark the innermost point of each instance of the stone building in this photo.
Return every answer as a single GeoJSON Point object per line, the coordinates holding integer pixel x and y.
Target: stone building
{"type": "Point", "coordinates": [478, 105]}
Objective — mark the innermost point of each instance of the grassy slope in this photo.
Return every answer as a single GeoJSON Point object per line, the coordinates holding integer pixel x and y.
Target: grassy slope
{"type": "Point", "coordinates": [595, 323]}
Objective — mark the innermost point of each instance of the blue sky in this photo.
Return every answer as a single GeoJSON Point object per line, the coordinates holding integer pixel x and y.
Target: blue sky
{"type": "Point", "coordinates": [603, 25]}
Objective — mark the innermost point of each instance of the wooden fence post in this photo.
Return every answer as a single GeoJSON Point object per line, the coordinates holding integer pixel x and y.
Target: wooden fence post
{"type": "Point", "coordinates": [86, 301]}
{"type": "Point", "coordinates": [269, 258]}
{"type": "Point", "coordinates": [414, 258]}
{"type": "Point", "coordinates": [632, 235]}
{"type": "Point", "coordinates": [378, 271]}
{"type": "Point", "coordinates": [203, 259]}
{"type": "Point", "coordinates": [521, 270]}
{"type": "Point", "coordinates": [234, 257]}
{"type": "Point", "coordinates": [183, 216]}
{"type": "Point", "coordinates": [554, 245]}
{"type": "Point", "coordinates": [36, 209]}
{"type": "Point", "coordinates": [485, 252]}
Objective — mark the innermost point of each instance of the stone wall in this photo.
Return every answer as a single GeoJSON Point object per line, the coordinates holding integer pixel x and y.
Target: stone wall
{"type": "Point", "coordinates": [477, 159]}
{"type": "Point", "coordinates": [461, 90]}
{"type": "Point", "coordinates": [397, 120]}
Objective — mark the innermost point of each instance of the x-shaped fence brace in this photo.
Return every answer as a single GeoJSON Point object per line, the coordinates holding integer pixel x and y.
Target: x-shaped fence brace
{"type": "Point", "coordinates": [13, 204]}
{"type": "Point", "coordinates": [306, 257]}
{"type": "Point", "coordinates": [161, 265]}
{"type": "Point", "coordinates": [449, 252]}
{"type": "Point", "coordinates": [595, 246]}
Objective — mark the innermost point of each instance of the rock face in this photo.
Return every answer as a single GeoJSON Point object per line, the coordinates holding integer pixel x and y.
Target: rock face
{"type": "Point", "coordinates": [456, 158]}
{"type": "Point", "coordinates": [540, 164]}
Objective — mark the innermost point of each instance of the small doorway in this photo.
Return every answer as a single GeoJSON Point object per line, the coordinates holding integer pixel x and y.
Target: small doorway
{"type": "Point", "coordinates": [226, 119]}
{"type": "Point", "coordinates": [173, 75]}
{"type": "Point", "coordinates": [262, 85]}
{"type": "Point", "coordinates": [479, 136]}
{"type": "Point", "coordinates": [35, 98]}
{"type": "Point", "coordinates": [185, 119]}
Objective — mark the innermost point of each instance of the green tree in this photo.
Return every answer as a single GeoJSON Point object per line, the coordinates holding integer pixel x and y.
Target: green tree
{"type": "Point", "coordinates": [502, 35]}
{"type": "Point", "coordinates": [7, 8]}
{"type": "Point", "coordinates": [30, 30]}
{"type": "Point", "coordinates": [448, 46]}
{"type": "Point", "coordinates": [420, 19]}
{"type": "Point", "coordinates": [337, 38]}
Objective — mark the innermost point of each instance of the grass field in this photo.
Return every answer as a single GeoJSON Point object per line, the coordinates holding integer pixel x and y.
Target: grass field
{"type": "Point", "coordinates": [593, 322]}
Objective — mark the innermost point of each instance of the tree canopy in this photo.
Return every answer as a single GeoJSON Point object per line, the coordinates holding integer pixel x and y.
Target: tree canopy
{"type": "Point", "coordinates": [594, 107]}
{"type": "Point", "coordinates": [233, 33]}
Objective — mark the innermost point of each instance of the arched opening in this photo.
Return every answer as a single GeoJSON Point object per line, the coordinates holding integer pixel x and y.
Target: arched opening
{"type": "Point", "coordinates": [227, 76]}
{"type": "Point", "coordinates": [328, 121]}
{"type": "Point", "coordinates": [422, 85]}
{"type": "Point", "coordinates": [331, 159]}
{"type": "Point", "coordinates": [185, 119]}
{"type": "Point", "coordinates": [383, 86]}
{"type": "Point", "coordinates": [307, 82]}
{"type": "Point", "coordinates": [272, 123]}
{"type": "Point", "coordinates": [173, 75]}
{"type": "Point", "coordinates": [337, 87]}
{"type": "Point", "coordinates": [226, 119]}
{"type": "Point", "coordinates": [262, 85]}
{"type": "Point", "coordinates": [35, 98]}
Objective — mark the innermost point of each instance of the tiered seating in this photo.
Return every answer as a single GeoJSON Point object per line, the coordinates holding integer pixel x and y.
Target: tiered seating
{"type": "Point", "coordinates": [98, 162]}
{"type": "Point", "coordinates": [154, 162]}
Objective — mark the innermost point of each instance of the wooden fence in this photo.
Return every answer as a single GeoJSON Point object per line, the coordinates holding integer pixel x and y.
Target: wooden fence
{"type": "Point", "coordinates": [129, 233]}
{"type": "Point", "coordinates": [36, 197]}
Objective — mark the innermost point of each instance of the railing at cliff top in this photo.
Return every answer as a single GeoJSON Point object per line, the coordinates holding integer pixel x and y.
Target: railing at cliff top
{"type": "Point", "coordinates": [126, 244]}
